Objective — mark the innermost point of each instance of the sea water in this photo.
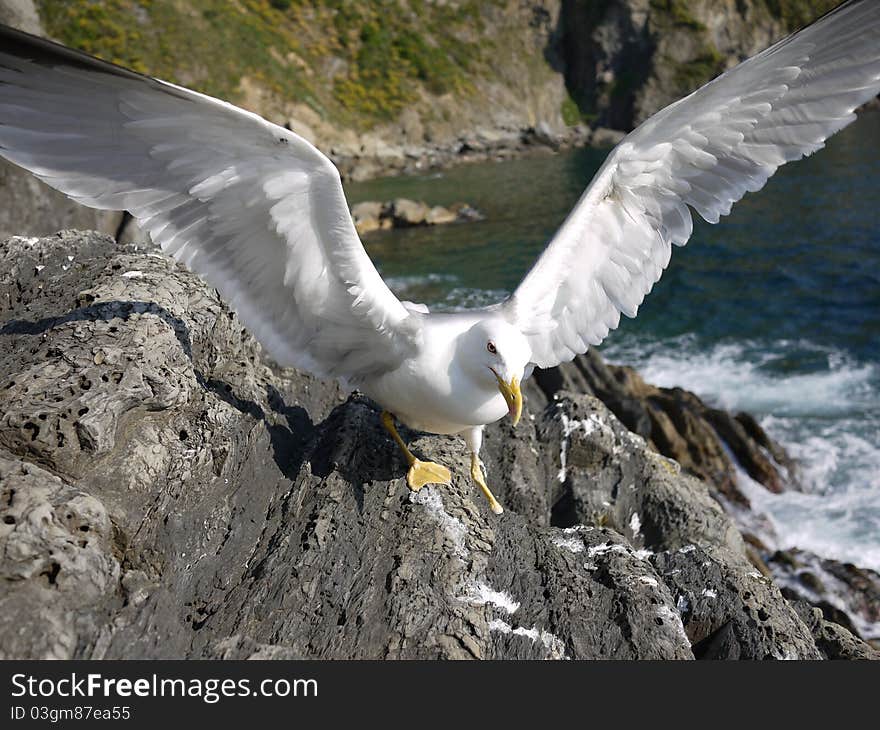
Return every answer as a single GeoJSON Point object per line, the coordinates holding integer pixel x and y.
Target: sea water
{"type": "Point", "coordinates": [776, 310]}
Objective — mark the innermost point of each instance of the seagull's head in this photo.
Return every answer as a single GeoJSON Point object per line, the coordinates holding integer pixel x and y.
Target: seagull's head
{"type": "Point", "coordinates": [496, 353]}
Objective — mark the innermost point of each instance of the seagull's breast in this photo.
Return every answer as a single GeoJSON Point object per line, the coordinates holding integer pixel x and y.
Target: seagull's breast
{"type": "Point", "coordinates": [431, 392]}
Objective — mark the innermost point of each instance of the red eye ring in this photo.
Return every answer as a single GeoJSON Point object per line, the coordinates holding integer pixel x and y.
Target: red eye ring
{"type": "Point", "coordinates": [491, 347]}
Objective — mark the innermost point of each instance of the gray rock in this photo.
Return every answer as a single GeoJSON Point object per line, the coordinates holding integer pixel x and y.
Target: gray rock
{"type": "Point", "coordinates": [707, 442]}
{"type": "Point", "coordinates": [604, 137]}
{"type": "Point", "coordinates": [406, 212]}
{"type": "Point", "coordinates": [729, 610]}
{"type": "Point", "coordinates": [833, 640]}
{"type": "Point", "coordinates": [845, 594]}
{"type": "Point", "coordinates": [235, 509]}
{"type": "Point", "coordinates": [372, 215]}
{"type": "Point", "coordinates": [21, 14]}
{"type": "Point", "coordinates": [31, 208]}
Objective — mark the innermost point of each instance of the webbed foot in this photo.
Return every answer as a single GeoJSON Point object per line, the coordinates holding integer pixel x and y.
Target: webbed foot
{"type": "Point", "coordinates": [426, 472]}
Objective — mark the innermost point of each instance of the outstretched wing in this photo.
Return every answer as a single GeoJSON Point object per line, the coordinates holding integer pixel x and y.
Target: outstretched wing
{"type": "Point", "coordinates": [704, 151]}
{"type": "Point", "coordinates": [254, 209]}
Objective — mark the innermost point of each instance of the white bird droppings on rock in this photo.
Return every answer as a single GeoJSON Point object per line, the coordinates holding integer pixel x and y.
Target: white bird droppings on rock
{"type": "Point", "coordinates": [635, 524]}
{"type": "Point", "coordinates": [571, 544]}
{"type": "Point", "coordinates": [569, 426]}
{"type": "Point", "coordinates": [552, 643]}
{"type": "Point", "coordinates": [674, 619]}
{"type": "Point", "coordinates": [482, 594]}
{"type": "Point", "coordinates": [605, 547]}
{"type": "Point", "coordinates": [26, 240]}
{"type": "Point", "coordinates": [454, 528]}
{"type": "Point", "coordinates": [133, 275]}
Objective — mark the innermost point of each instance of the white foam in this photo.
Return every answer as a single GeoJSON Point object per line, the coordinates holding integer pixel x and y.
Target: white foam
{"type": "Point", "coordinates": [739, 375]}
{"type": "Point", "coordinates": [828, 419]}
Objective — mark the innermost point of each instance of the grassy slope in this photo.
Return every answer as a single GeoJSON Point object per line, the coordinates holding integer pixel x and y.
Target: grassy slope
{"type": "Point", "coordinates": [355, 63]}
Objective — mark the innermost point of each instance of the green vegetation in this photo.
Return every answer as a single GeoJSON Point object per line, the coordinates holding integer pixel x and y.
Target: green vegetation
{"type": "Point", "coordinates": [678, 13]}
{"type": "Point", "coordinates": [796, 14]}
{"type": "Point", "coordinates": [390, 49]}
{"type": "Point", "coordinates": [383, 53]}
{"type": "Point", "coordinates": [571, 114]}
{"type": "Point", "coordinates": [696, 72]}
{"type": "Point", "coordinates": [361, 63]}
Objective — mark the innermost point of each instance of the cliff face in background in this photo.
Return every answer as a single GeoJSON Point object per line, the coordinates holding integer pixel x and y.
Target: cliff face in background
{"type": "Point", "coordinates": [623, 60]}
{"type": "Point", "coordinates": [389, 87]}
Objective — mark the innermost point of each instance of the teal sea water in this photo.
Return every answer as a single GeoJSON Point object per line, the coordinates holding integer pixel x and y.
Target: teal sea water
{"type": "Point", "coordinates": [776, 310]}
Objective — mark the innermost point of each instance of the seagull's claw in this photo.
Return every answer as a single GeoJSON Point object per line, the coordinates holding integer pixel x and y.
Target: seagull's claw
{"type": "Point", "coordinates": [426, 472]}
{"type": "Point", "coordinates": [477, 476]}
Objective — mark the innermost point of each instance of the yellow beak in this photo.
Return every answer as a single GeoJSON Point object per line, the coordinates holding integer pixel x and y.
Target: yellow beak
{"type": "Point", "coordinates": [513, 397]}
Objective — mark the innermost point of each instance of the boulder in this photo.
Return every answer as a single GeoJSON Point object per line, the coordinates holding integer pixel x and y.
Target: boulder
{"type": "Point", "coordinates": [367, 216]}
{"type": "Point", "coordinates": [374, 215]}
{"type": "Point", "coordinates": [166, 492]}
{"type": "Point", "coordinates": [405, 212]}
{"type": "Point", "coordinates": [844, 593]}
{"type": "Point", "coordinates": [439, 215]}
{"type": "Point", "coordinates": [605, 137]}
{"type": "Point", "coordinates": [707, 442]}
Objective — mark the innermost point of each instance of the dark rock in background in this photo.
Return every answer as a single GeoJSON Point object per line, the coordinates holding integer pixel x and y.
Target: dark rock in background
{"type": "Point", "coordinates": [845, 594]}
{"type": "Point", "coordinates": [165, 492]}
{"type": "Point", "coordinates": [679, 425]}
{"type": "Point", "coordinates": [372, 215]}
{"type": "Point", "coordinates": [30, 207]}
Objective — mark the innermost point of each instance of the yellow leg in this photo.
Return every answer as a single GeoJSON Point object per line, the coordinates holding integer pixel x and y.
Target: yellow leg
{"type": "Point", "coordinates": [419, 473]}
{"type": "Point", "coordinates": [477, 476]}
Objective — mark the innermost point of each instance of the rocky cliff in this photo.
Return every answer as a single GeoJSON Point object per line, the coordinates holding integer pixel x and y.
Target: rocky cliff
{"type": "Point", "coordinates": [404, 86]}
{"type": "Point", "coordinates": [166, 492]}
{"type": "Point", "coordinates": [625, 59]}
{"type": "Point", "coordinates": [395, 86]}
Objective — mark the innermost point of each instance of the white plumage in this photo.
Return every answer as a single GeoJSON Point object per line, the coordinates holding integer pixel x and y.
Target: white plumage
{"type": "Point", "coordinates": [260, 214]}
{"type": "Point", "coordinates": [703, 152]}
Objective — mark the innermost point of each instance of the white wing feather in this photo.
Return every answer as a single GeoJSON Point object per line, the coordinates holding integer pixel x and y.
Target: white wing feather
{"type": "Point", "coordinates": [250, 206]}
{"type": "Point", "coordinates": [704, 151]}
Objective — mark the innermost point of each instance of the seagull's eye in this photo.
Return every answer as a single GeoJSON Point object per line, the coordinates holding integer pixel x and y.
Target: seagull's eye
{"type": "Point", "coordinates": [491, 347]}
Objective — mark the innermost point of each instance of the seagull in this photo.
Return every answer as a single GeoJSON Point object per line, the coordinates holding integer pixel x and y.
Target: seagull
{"type": "Point", "coordinates": [260, 214]}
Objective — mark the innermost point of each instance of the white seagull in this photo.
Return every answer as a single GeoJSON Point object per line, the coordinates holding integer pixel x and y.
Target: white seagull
{"type": "Point", "coordinates": [260, 214]}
